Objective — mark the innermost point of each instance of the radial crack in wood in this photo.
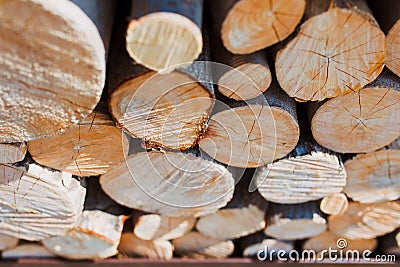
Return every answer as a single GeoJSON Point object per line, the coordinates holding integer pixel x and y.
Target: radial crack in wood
{"type": "Point", "coordinates": [53, 68]}
{"type": "Point", "coordinates": [170, 183]}
{"type": "Point", "coordinates": [38, 203]}
{"type": "Point", "coordinates": [198, 246]}
{"type": "Point", "coordinates": [95, 235]}
{"type": "Point", "coordinates": [252, 25]}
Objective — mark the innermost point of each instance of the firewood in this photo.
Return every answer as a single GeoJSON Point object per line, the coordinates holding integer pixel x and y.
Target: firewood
{"type": "Point", "coordinates": [241, 77]}
{"type": "Point", "coordinates": [198, 246]}
{"type": "Point", "coordinates": [339, 48]}
{"type": "Point", "coordinates": [30, 250]}
{"type": "Point", "coordinates": [251, 25]}
{"type": "Point", "coordinates": [335, 204]}
{"type": "Point", "coordinates": [161, 227]}
{"type": "Point", "coordinates": [309, 172]}
{"type": "Point", "coordinates": [360, 121]}
{"type": "Point", "coordinates": [252, 245]}
{"type": "Point", "coordinates": [252, 134]}
{"type": "Point", "coordinates": [13, 152]}
{"type": "Point", "coordinates": [366, 221]}
{"type": "Point", "coordinates": [53, 68]}
{"type": "Point", "coordinates": [245, 213]}
{"type": "Point", "coordinates": [92, 147]}
{"type": "Point", "coordinates": [164, 34]}
{"type": "Point", "coordinates": [387, 13]}
{"type": "Point", "coordinates": [295, 221]}
{"type": "Point", "coordinates": [390, 243]}
{"type": "Point", "coordinates": [37, 203]}
{"type": "Point", "coordinates": [166, 110]}
{"type": "Point", "coordinates": [327, 240]}
{"type": "Point", "coordinates": [152, 249]}
{"type": "Point", "coordinates": [95, 235]}
{"type": "Point", "coordinates": [7, 242]}
{"type": "Point", "coordinates": [374, 177]}
{"type": "Point", "coordinates": [169, 183]}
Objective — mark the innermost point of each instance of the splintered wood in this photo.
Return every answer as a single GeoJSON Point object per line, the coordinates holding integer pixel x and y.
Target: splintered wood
{"type": "Point", "coordinates": [360, 121]}
{"type": "Point", "coordinates": [374, 177]}
{"type": "Point", "coordinates": [198, 246]}
{"type": "Point", "coordinates": [167, 35]}
{"type": "Point", "coordinates": [167, 110]}
{"type": "Point", "coordinates": [95, 235]}
{"type": "Point", "coordinates": [53, 68]}
{"type": "Point", "coordinates": [38, 203]}
{"type": "Point", "coordinates": [92, 147]}
{"type": "Point", "coordinates": [252, 25]}
{"type": "Point", "coordinates": [336, 52]}
{"type": "Point", "coordinates": [170, 183]}
{"type": "Point", "coordinates": [366, 221]}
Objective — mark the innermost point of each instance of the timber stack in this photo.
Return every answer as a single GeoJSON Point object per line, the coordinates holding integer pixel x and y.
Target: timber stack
{"type": "Point", "coordinates": [198, 129]}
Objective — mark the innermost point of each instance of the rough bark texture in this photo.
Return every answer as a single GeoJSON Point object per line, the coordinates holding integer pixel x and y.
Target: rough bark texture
{"type": "Point", "coordinates": [295, 221]}
{"type": "Point", "coordinates": [41, 97]}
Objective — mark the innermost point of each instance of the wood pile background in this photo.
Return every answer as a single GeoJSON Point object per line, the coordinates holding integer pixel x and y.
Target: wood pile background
{"type": "Point", "coordinates": [119, 137]}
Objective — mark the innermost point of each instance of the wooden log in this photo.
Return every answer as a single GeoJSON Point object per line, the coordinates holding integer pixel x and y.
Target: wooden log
{"type": "Point", "coordinates": [251, 134]}
{"type": "Point", "coordinates": [295, 221]}
{"type": "Point", "coordinates": [53, 70]}
{"type": "Point", "coordinates": [92, 147]}
{"type": "Point", "coordinates": [198, 246]}
{"type": "Point", "coordinates": [161, 227]}
{"type": "Point", "coordinates": [366, 221]}
{"type": "Point", "coordinates": [163, 35]}
{"type": "Point", "coordinates": [241, 77]}
{"type": "Point", "coordinates": [30, 250]}
{"type": "Point", "coordinates": [309, 172]}
{"type": "Point", "coordinates": [360, 121]}
{"type": "Point", "coordinates": [390, 243]}
{"type": "Point", "coordinates": [96, 235]}
{"type": "Point", "coordinates": [374, 177]}
{"type": "Point", "coordinates": [131, 245]}
{"type": "Point", "coordinates": [339, 48]}
{"type": "Point", "coordinates": [13, 152]}
{"type": "Point", "coordinates": [169, 110]}
{"type": "Point", "coordinates": [169, 183]}
{"type": "Point", "coordinates": [327, 240]}
{"type": "Point", "coordinates": [256, 244]}
{"type": "Point", "coordinates": [251, 25]}
{"type": "Point", "coordinates": [245, 213]}
{"type": "Point", "coordinates": [37, 203]}
{"type": "Point", "coordinates": [335, 204]}
{"type": "Point", "coordinates": [7, 242]}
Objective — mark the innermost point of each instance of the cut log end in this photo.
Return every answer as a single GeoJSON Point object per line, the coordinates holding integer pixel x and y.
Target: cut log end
{"type": "Point", "coordinates": [253, 250]}
{"type": "Point", "coordinates": [252, 25]}
{"type": "Point", "coordinates": [392, 49]}
{"type": "Point", "coordinates": [335, 204]}
{"type": "Point", "coordinates": [340, 60]}
{"type": "Point", "coordinates": [301, 179]}
{"type": "Point", "coordinates": [46, 96]}
{"type": "Point", "coordinates": [296, 229]}
{"type": "Point", "coordinates": [11, 153]}
{"type": "Point", "coordinates": [167, 110]}
{"type": "Point", "coordinates": [130, 245]}
{"type": "Point", "coordinates": [252, 81]}
{"type": "Point", "coordinates": [198, 246]}
{"type": "Point", "coordinates": [33, 250]}
{"type": "Point", "coordinates": [7, 242]}
{"type": "Point", "coordinates": [163, 40]}
{"type": "Point", "coordinates": [160, 227]}
{"type": "Point", "coordinates": [374, 177]}
{"type": "Point", "coordinates": [241, 221]}
{"type": "Point", "coordinates": [88, 149]}
{"type": "Point", "coordinates": [169, 183]}
{"type": "Point", "coordinates": [250, 136]}
{"type": "Point", "coordinates": [360, 121]}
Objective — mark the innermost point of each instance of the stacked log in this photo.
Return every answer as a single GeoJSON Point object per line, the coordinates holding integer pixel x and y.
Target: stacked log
{"type": "Point", "coordinates": [335, 204]}
{"type": "Point", "coordinates": [338, 49]}
{"type": "Point", "coordinates": [12, 152]}
{"type": "Point", "coordinates": [30, 250]}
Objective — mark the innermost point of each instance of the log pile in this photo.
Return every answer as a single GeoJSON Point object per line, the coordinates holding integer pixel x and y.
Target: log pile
{"type": "Point", "coordinates": [290, 140]}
